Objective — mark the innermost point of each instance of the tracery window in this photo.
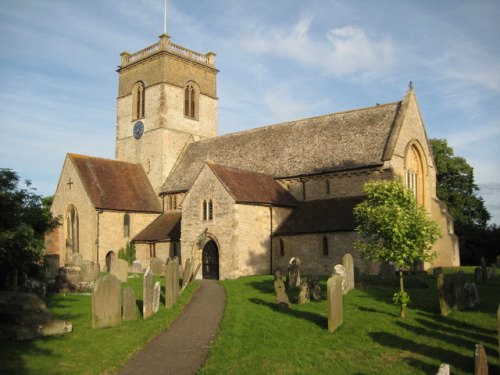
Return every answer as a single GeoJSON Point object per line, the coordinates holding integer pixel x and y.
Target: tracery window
{"type": "Point", "coordinates": [191, 100]}
{"type": "Point", "coordinates": [138, 101]}
{"type": "Point", "coordinates": [415, 173]}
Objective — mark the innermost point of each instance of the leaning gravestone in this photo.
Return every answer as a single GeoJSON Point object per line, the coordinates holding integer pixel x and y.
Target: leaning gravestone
{"type": "Point", "coordinates": [444, 297]}
{"type": "Point", "coordinates": [480, 361]}
{"type": "Point", "coordinates": [304, 295]}
{"type": "Point", "coordinates": [147, 294]}
{"type": "Point", "coordinates": [157, 266]}
{"type": "Point", "coordinates": [348, 263]}
{"type": "Point", "coordinates": [478, 275]}
{"type": "Point", "coordinates": [129, 307]}
{"type": "Point", "coordinates": [293, 276]}
{"type": "Point", "coordinates": [156, 297]}
{"type": "Point", "coordinates": [484, 271]}
{"type": "Point", "coordinates": [169, 284]}
{"type": "Point", "coordinates": [106, 302]}
{"type": "Point", "coordinates": [315, 289]}
{"type": "Point", "coordinates": [335, 307]}
{"type": "Point", "coordinates": [119, 268]}
{"type": "Point", "coordinates": [187, 272]}
{"type": "Point", "coordinates": [340, 270]}
{"type": "Point", "coordinates": [282, 300]}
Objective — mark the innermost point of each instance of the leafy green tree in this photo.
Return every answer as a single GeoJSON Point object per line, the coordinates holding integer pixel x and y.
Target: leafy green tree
{"type": "Point", "coordinates": [456, 187]}
{"type": "Point", "coordinates": [25, 217]}
{"type": "Point", "coordinates": [394, 229]}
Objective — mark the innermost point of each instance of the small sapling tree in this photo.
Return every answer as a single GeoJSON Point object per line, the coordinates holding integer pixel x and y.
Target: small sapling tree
{"type": "Point", "coordinates": [394, 229]}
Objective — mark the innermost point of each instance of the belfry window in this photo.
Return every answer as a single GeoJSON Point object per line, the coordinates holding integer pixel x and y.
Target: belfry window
{"type": "Point", "coordinates": [138, 101]}
{"type": "Point", "coordinates": [207, 210]}
{"type": "Point", "coordinates": [210, 210]}
{"type": "Point", "coordinates": [191, 101]}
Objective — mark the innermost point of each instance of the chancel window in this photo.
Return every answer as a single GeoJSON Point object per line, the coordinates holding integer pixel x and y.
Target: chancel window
{"type": "Point", "coordinates": [72, 230]}
{"type": "Point", "coordinates": [191, 101]}
{"type": "Point", "coordinates": [138, 101]}
{"type": "Point", "coordinates": [126, 225]}
{"type": "Point", "coordinates": [415, 173]}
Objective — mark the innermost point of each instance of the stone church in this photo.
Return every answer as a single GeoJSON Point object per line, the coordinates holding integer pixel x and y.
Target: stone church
{"type": "Point", "coordinates": [243, 203]}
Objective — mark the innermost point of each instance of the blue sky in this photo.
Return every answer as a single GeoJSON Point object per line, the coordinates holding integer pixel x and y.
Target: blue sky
{"type": "Point", "coordinates": [278, 60]}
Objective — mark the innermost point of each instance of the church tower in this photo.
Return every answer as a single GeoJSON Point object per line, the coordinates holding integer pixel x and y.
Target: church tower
{"type": "Point", "coordinates": [166, 99]}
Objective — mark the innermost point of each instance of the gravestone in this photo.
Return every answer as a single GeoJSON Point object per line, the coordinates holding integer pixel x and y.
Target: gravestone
{"type": "Point", "coordinates": [106, 302]}
{"type": "Point", "coordinates": [89, 271]}
{"type": "Point", "coordinates": [282, 300]}
{"type": "Point", "coordinates": [156, 297]}
{"type": "Point", "coordinates": [136, 266]}
{"type": "Point", "coordinates": [315, 288]}
{"type": "Point", "coordinates": [119, 269]}
{"type": "Point", "coordinates": [187, 272]}
{"type": "Point", "coordinates": [293, 276]}
{"type": "Point", "coordinates": [304, 296]}
{"type": "Point", "coordinates": [444, 297]}
{"type": "Point", "coordinates": [147, 294]}
{"type": "Point", "coordinates": [458, 283]}
{"type": "Point", "coordinates": [169, 286]}
{"type": "Point", "coordinates": [335, 307]}
{"type": "Point", "coordinates": [444, 369]}
{"type": "Point", "coordinates": [387, 271]}
{"type": "Point", "coordinates": [489, 273]}
{"type": "Point", "coordinates": [493, 270]}
{"type": "Point", "coordinates": [483, 269]}
{"type": "Point", "coordinates": [157, 266]}
{"type": "Point", "coordinates": [129, 307]}
{"type": "Point", "coordinates": [471, 297]}
{"type": "Point", "coordinates": [437, 271]}
{"type": "Point", "coordinates": [480, 361]}
{"type": "Point", "coordinates": [478, 275]}
{"type": "Point", "coordinates": [348, 263]}
{"type": "Point", "coordinates": [340, 270]}
{"type": "Point", "coordinates": [175, 280]}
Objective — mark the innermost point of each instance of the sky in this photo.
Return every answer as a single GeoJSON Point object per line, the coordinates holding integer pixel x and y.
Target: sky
{"type": "Point", "coordinates": [278, 60]}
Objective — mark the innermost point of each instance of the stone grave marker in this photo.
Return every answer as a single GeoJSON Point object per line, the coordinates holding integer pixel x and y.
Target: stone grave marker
{"type": "Point", "coordinates": [340, 270]}
{"type": "Point", "coordinates": [187, 272]}
{"type": "Point", "coordinates": [458, 283]}
{"type": "Point", "coordinates": [444, 369]}
{"type": "Point", "coordinates": [175, 280]}
{"type": "Point", "coordinates": [157, 266]}
{"type": "Point", "coordinates": [489, 273]}
{"type": "Point", "coordinates": [282, 300]}
{"type": "Point", "coordinates": [136, 266]}
{"type": "Point", "coordinates": [119, 268]}
{"type": "Point", "coordinates": [348, 263]}
{"type": "Point", "coordinates": [156, 297]}
{"type": "Point", "coordinates": [444, 297]}
{"type": "Point", "coordinates": [480, 361]}
{"type": "Point", "coordinates": [471, 296]}
{"type": "Point", "coordinates": [106, 302]}
{"type": "Point", "coordinates": [478, 275]}
{"type": "Point", "coordinates": [304, 295]}
{"type": "Point", "coordinates": [90, 271]}
{"type": "Point", "coordinates": [493, 270]}
{"type": "Point", "coordinates": [169, 286]}
{"type": "Point", "coordinates": [147, 294]}
{"type": "Point", "coordinates": [335, 307]}
{"type": "Point", "coordinates": [315, 288]}
{"type": "Point", "coordinates": [293, 276]}
{"type": "Point", "coordinates": [129, 307]}
{"type": "Point", "coordinates": [483, 269]}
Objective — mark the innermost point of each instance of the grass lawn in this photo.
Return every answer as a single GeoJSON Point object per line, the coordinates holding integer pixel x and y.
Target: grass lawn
{"type": "Point", "coordinates": [87, 350]}
{"type": "Point", "coordinates": [256, 338]}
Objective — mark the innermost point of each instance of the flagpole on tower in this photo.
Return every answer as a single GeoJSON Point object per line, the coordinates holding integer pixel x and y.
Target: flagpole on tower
{"type": "Point", "coordinates": [164, 16]}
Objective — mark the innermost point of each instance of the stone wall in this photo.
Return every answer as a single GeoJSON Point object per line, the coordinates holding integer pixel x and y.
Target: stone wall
{"type": "Point", "coordinates": [446, 247]}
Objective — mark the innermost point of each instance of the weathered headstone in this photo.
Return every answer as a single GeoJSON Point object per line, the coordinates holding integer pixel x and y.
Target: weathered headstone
{"type": "Point", "coordinates": [443, 293]}
{"type": "Point", "coordinates": [175, 280]}
{"type": "Point", "coordinates": [478, 275]}
{"type": "Point", "coordinates": [119, 268]}
{"type": "Point", "coordinates": [315, 288]}
{"type": "Point", "coordinates": [444, 369]}
{"type": "Point", "coordinates": [156, 297]}
{"type": "Point", "coordinates": [106, 302]}
{"type": "Point", "coordinates": [335, 307]}
{"type": "Point", "coordinates": [340, 270]}
{"type": "Point", "coordinates": [136, 267]}
{"type": "Point", "coordinates": [89, 271]}
{"type": "Point", "coordinates": [348, 263]}
{"type": "Point", "coordinates": [147, 294]}
{"type": "Point", "coordinates": [293, 276]}
{"type": "Point", "coordinates": [157, 266]}
{"type": "Point", "coordinates": [169, 286]}
{"type": "Point", "coordinates": [480, 361]}
{"type": "Point", "coordinates": [387, 270]}
{"type": "Point", "coordinates": [437, 271]}
{"type": "Point", "coordinates": [304, 295]}
{"type": "Point", "coordinates": [483, 269]}
{"type": "Point", "coordinates": [129, 307]}
{"type": "Point", "coordinates": [471, 296]}
{"type": "Point", "coordinates": [187, 272]}
{"type": "Point", "coordinates": [458, 283]}
{"type": "Point", "coordinates": [282, 300]}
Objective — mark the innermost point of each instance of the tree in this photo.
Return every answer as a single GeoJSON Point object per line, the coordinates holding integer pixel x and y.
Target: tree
{"type": "Point", "coordinates": [455, 186]}
{"type": "Point", "coordinates": [24, 219]}
{"type": "Point", "coordinates": [394, 229]}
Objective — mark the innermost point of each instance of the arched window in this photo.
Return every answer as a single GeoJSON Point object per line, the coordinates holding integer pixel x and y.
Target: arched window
{"type": "Point", "coordinates": [325, 246]}
{"type": "Point", "coordinates": [204, 209]}
{"type": "Point", "coordinates": [126, 225]}
{"type": "Point", "coordinates": [191, 100]}
{"type": "Point", "coordinates": [210, 210]}
{"type": "Point", "coordinates": [282, 248]}
{"type": "Point", "coordinates": [72, 230]}
{"type": "Point", "coordinates": [138, 101]}
{"type": "Point", "coordinates": [415, 173]}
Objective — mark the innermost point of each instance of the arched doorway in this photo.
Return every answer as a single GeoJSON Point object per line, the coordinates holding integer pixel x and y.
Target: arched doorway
{"type": "Point", "coordinates": [210, 261]}
{"type": "Point", "coordinates": [110, 256]}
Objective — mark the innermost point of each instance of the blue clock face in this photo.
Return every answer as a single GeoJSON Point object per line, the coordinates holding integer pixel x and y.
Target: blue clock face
{"type": "Point", "coordinates": [138, 129]}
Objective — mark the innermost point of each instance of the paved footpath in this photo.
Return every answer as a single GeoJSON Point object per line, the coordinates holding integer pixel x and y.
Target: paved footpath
{"type": "Point", "coordinates": [182, 349]}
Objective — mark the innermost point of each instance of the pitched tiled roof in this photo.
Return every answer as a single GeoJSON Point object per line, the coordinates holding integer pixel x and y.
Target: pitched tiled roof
{"type": "Point", "coordinates": [115, 185]}
{"type": "Point", "coordinates": [321, 216]}
{"type": "Point", "coordinates": [337, 141]}
{"type": "Point", "coordinates": [249, 187]}
{"type": "Point", "coordinates": [165, 227]}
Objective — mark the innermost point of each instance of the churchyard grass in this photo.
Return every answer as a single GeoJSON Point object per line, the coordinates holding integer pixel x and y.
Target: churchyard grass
{"type": "Point", "coordinates": [257, 338]}
{"type": "Point", "coordinates": [87, 350]}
